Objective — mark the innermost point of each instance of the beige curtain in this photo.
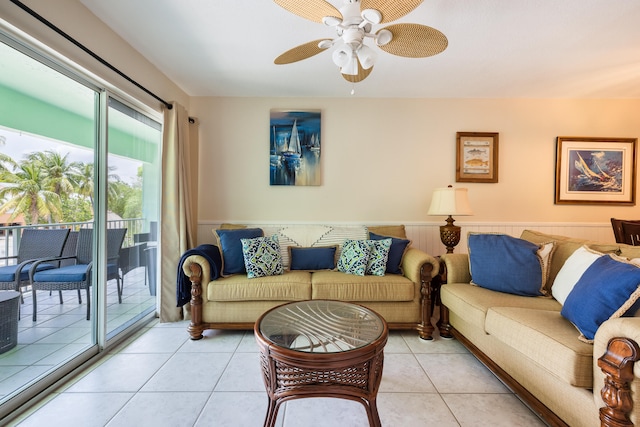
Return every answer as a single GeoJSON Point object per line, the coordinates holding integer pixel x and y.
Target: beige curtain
{"type": "Point", "coordinates": [178, 211]}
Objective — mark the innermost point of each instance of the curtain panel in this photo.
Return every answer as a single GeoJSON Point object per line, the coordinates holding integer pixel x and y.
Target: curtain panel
{"type": "Point", "coordinates": [178, 210]}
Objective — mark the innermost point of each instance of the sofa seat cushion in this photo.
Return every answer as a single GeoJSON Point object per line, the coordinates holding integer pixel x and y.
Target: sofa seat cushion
{"type": "Point", "coordinates": [472, 302]}
{"type": "Point", "coordinates": [290, 286]}
{"type": "Point", "coordinates": [348, 287]}
{"type": "Point", "coordinates": [546, 338]}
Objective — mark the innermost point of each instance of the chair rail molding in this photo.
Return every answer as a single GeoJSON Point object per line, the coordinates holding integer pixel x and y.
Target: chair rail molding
{"type": "Point", "coordinates": [426, 235]}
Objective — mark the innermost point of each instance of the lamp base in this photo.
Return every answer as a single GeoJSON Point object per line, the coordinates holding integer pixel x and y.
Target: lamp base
{"type": "Point", "coordinates": [450, 235]}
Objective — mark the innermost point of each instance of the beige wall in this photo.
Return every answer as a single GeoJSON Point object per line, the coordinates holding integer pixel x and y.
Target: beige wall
{"type": "Point", "coordinates": [381, 158]}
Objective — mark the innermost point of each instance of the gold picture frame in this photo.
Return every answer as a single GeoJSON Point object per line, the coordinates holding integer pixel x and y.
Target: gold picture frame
{"type": "Point", "coordinates": [595, 170]}
{"type": "Point", "coordinates": [477, 157]}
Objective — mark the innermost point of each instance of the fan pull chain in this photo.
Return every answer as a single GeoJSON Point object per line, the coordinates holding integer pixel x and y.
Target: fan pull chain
{"type": "Point", "coordinates": [353, 88]}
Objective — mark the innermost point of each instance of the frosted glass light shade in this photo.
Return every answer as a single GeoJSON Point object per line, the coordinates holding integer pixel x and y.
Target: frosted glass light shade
{"type": "Point", "coordinates": [450, 201]}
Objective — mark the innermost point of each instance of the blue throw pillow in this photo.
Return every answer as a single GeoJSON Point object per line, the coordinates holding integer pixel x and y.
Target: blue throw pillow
{"type": "Point", "coordinates": [377, 262]}
{"type": "Point", "coordinates": [354, 257]}
{"type": "Point", "coordinates": [396, 252]}
{"type": "Point", "coordinates": [231, 248]}
{"type": "Point", "coordinates": [320, 258]}
{"type": "Point", "coordinates": [262, 256]}
{"type": "Point", "coordinates": [607, 289]}
{"type": "Point", "coordinates": [508, 264]}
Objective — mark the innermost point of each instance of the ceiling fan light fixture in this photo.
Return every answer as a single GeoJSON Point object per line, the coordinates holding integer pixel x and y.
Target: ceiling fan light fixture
{"type": "Point", "coordinates": [371, 15]}
{"type": "Point", "coordinates": [366, 56]}
{"type": "Point", "coordinates": [351, 68]}
{"type": "Point", "coordinates": [331, 21]}
{"type": "Point", "coordinates": [341, 57]}
{"type": "Point", "coordinates": [383, 37]}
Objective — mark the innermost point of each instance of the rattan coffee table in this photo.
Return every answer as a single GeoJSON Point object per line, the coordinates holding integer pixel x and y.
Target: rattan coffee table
{"type": "Point", "coordinates": [321, 348]}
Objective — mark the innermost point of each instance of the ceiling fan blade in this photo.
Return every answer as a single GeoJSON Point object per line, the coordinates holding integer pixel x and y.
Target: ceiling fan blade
{"type": "Point", "coordinates": [313, 10]}
{"type": "Point", "coordinates": [415, 41]}
{"type": "Point", "coordinates": [299, 53]}
{"type": "Point", "coordinates": [390, 9]}
{"type": "Point", "coordinates": [362, 74]}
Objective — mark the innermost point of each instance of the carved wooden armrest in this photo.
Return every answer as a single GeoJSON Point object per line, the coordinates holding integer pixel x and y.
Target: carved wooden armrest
{"type": "Point", "coordinates": [617, 366]}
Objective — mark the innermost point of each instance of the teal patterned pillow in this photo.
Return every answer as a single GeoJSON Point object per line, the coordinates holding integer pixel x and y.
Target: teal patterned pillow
{"type": "Point", "coordinates": [262, 256]}
{"type": "Point", "coordinates": [354, 257]}
{"type": "Point", "coordinates": [377, 263]}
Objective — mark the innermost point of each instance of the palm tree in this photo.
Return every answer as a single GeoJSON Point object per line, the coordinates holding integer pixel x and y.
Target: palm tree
{"type": "Point", "coordinates": [5, 160]}
{"type": "Point", "coordinates": [60, 174]}
{"type": "Point", "coordinates": [25, 193]}
{"type": "Point", "coordinates": [84, 182]}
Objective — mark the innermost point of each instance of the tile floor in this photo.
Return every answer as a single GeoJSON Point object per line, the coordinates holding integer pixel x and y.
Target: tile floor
{"type": "Point", "coordinates": [161, 378]}
{"type": "Point", "coordinates": [62, 331]}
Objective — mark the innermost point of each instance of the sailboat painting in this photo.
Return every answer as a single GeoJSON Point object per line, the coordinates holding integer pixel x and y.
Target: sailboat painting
{"type": "Point", "coordinates": [596, 170]}
{"type": "Point", "coordinates": [294, 147]}
{"type": "Point", "coordinates": [599, 171]}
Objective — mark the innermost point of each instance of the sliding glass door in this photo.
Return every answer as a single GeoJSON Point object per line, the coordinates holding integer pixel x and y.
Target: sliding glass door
{"type": "Point", "coordinates": [72, 157]}
{"type": "Point", "coordinates": [132, 205]}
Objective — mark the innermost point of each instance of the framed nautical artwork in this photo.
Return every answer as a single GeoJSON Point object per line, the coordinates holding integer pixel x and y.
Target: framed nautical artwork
{"type": "Point", "coordinates": [476, 157]}
{"type": "Point", "coordinates": [596, 170]}
{"type": "Point", "coordinates": [295, 147]}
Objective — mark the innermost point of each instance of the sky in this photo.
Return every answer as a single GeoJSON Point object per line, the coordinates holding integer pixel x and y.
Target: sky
{"type": "Point", "coordinates": [18, 144]}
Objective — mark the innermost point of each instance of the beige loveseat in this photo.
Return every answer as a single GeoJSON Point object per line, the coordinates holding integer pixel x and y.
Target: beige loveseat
{"type": "Point", "coordinates": [537, 352]}
{"type": "Point", "coordinates": [236, 301]}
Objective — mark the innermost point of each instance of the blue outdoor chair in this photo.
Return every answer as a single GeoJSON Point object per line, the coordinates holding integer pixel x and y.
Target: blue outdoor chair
{"type": "Point", "coordinates": [35, 244]}
{"type": "Point", "coordinates": [78, 275]}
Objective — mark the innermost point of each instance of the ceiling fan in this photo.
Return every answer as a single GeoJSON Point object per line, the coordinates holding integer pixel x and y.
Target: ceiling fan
{"type": "Point", "coordinates": [354, 23]}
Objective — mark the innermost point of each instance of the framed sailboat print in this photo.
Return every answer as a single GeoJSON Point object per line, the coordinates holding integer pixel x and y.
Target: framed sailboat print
{"type": "Point", "coordinates": [596, 170]}
{"type": "Point", "coordinates": [295, 147]}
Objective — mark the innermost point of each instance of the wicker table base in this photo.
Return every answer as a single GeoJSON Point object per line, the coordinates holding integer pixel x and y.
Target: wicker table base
{"type": "Point", "coordinates": [333, 362]}
{"type": "Point", "coordinates": [9, 306]}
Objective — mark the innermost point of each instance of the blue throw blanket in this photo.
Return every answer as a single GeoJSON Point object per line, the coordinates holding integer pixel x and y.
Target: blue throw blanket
{"type": "Point", "coordinates": [183, 286]}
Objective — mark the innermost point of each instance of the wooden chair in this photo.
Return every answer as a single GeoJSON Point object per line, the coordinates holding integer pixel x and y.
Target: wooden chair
{"type": "Point", "coordinates": [631, 232]}
{"type": "Point", "coordinates": [618, 232]}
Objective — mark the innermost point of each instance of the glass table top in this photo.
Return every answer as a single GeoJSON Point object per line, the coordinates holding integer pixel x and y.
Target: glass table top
{"type": "Point", "coordinates": [321, 326]}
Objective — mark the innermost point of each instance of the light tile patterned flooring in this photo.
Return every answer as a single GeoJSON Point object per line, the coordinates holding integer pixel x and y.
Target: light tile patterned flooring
{"type": "Point", "coordinates": [161, 378]}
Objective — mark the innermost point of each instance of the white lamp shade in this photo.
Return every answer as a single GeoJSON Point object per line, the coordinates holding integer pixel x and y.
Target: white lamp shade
{"type": "Point", "coordinates": [450, 201]}
{"type": "Point", "coordinates": [366, 56]}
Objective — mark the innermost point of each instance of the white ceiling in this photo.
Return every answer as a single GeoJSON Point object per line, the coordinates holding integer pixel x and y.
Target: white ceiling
{"type": "Point", "coordinates": [497, 48]}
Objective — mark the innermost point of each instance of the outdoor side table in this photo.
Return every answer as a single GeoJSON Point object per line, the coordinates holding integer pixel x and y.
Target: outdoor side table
{"type": "Point", "coordinates": [321, 348]}
{"type": "Point", "coordinates": [9, 306]}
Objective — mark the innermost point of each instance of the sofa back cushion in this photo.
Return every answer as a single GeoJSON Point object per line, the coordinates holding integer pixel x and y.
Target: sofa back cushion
{"type": "Point", "coordinates": [565, 246]}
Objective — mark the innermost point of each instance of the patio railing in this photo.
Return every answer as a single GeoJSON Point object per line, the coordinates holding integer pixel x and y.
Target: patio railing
{"type": "Point", "coordinates": [10, 235]}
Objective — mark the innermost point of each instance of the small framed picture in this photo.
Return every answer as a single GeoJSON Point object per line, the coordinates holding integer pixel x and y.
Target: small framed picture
{"type": "Point", "coordinates": [477, 157]}
{"type": "Point", "coordinates": [596, 170]}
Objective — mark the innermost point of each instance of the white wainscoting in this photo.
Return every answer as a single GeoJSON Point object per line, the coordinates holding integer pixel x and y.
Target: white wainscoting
{"type": "Point", "coordinates": [426, 236]}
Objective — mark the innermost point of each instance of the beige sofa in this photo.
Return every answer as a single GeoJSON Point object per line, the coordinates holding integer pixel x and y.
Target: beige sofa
{"type": "Point", "coordinates": [536, 351]}
{"type": "Point", "coordinates": [236, 301]}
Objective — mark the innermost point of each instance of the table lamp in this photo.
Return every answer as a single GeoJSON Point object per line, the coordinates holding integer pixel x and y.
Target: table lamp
{"type": "Point", "coordinates": [450, 201]}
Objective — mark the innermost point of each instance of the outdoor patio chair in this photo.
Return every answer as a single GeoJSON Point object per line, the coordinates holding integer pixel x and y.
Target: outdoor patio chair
{"type": "Point", "coordinates": [78, 275]}
{"type": "Point", "coordinates": [35, 244]}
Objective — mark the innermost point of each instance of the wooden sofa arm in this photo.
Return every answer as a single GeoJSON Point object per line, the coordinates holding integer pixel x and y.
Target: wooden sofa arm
{"type": "Point", "coordinates": [195, 276]}
{"type": "Point", "coordinates": [617, 365]}
{"type": "Point", "coordinates": [615, 384]}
